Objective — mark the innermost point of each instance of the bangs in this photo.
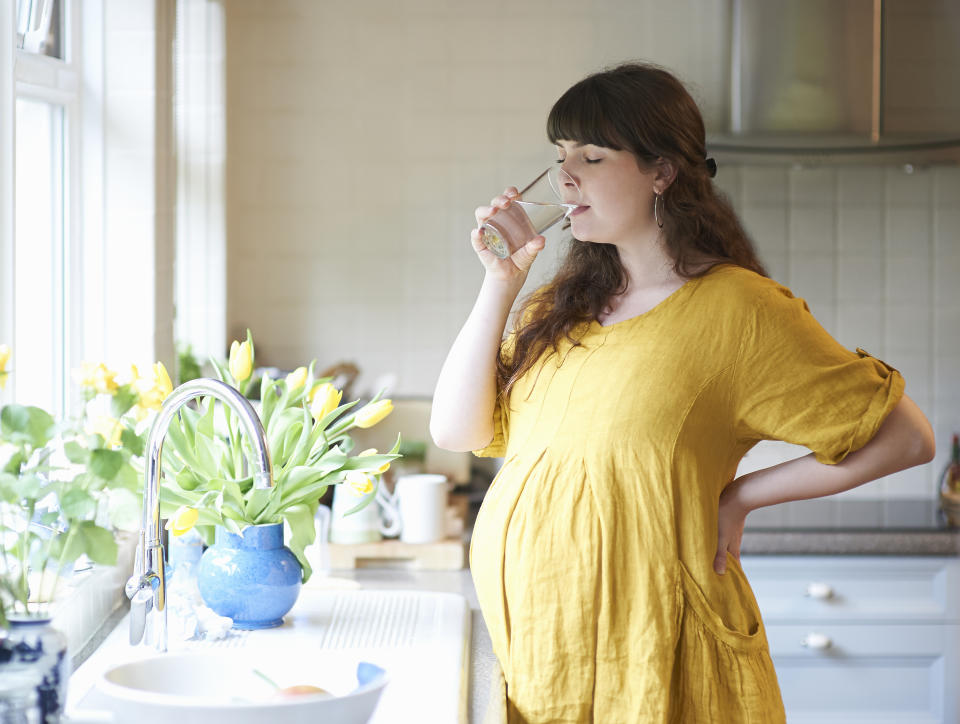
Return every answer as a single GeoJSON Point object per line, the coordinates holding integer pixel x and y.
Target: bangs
{"type": "Point", "coordinates": [581, 115]}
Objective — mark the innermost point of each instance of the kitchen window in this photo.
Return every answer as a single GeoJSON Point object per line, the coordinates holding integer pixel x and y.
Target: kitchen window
{"type": "Point", "coordinates": [42, 285]}
{"type": "Point", "coordinates": [58, 269]}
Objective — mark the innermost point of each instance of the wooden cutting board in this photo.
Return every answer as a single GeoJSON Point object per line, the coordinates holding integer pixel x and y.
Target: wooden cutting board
{"type": "Point", "coordinates": [447, 555]}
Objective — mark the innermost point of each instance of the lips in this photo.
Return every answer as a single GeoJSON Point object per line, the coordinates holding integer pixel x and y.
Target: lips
{"type": "Point", "coordinates": [579, 210]}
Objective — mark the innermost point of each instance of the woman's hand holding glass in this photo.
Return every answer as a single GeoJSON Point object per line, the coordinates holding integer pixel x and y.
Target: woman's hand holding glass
{"type": "Point", "coordinates": [513, 267]}
{"type": "Point", "coordinates": [511, 228]}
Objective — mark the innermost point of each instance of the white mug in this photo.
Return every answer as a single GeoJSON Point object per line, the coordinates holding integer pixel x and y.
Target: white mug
{"type": "Point", "coordinates": [364, 526]}
{"type": "Point", "coordinates": [422, 502]}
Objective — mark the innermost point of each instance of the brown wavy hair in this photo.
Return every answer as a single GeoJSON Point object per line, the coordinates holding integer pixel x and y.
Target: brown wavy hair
{"type": "Point", "coordinates": [644, 109]}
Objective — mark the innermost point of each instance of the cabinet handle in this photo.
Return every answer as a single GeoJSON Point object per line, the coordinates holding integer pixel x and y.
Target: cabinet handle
{"type": "Point", "coordinates": [817, 641]}
{"type": "Point", "coordinates": [820, 591]}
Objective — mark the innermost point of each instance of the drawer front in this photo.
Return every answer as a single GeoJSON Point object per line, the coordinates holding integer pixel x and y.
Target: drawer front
{"type": "Point", "coordinates": [864, 673]}
{"type": "Point", "coordinates": [852, 588]}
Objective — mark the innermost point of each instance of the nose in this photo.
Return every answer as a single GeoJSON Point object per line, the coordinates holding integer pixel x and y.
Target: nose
{"type": "Point", "coordinates": [569, 185]}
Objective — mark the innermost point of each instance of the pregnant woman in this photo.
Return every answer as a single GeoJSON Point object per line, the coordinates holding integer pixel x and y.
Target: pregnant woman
{"type": "Point", "coordinates": [627, 390]}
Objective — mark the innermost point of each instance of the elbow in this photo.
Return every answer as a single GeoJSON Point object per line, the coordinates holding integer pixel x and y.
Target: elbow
{"type": "Point", "coordinates": [925, 446]}
{"type": "Point", "coordinates": [917, 445]}
{"type": "Point", "coordinates": [447, 439]}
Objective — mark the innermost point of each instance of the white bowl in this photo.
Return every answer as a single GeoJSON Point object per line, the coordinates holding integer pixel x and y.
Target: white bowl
{"type": "Point", "coordinates": [222, 687]}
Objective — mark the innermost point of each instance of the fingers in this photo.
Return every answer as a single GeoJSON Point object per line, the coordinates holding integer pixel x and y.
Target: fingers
{"type": "Point", "coordinates": [720, 562]}
{"type": "Point", "coordinates": [476, 241]}
{"type": "Point", "coordinates": [496, 203]}
{"type": "Point", "coordinates": [726, 545]}
{"type": "Point", "coordinates": [524, 256]}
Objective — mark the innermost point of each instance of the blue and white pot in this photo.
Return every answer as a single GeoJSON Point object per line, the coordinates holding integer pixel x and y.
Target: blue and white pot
{"type": "Point", "coordinates": [32, 644]}
{"type": "Point", "coordinates": [254, 579]}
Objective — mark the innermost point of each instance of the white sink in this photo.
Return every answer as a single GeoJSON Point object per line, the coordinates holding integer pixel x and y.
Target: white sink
{"type": "Point", "coordinates": [420, 639]}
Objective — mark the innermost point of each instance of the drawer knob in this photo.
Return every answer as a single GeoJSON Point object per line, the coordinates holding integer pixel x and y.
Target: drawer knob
{"type": "Point", "coordinates": [820, 591]}
{"type": "Point", "coordinates": [817, 641]}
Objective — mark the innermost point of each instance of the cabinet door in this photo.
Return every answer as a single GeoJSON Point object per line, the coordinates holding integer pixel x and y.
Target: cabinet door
{"type": "Point", "coordinates": [855, 589]}
{"type": "Point", "coordinates": [867, 673]}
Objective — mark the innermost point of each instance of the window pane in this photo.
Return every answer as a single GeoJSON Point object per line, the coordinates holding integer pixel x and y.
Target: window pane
{"type": "Point", "coordinates": [38, 256]}
{"type": "Point", "coordinates": [40, 27]}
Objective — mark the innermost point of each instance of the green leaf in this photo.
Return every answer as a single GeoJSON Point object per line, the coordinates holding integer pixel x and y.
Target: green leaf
{"type": "Point", "coordinates": [222, 372]}
{"type": "Point", "coordinates": [12, 464]}
{"type": "Point", "coordinates": [190, 418]}
{"type": "Point", "coordinates": [9, 491]}
{"type": "Point", "coordinates": [29, 425]}
{"type": "Point", "coordinates": [368, 463]}
{"type": "Point", "coordinates": [258, 499]}
{"type": "Point", "coordinates": [302, 533]}
{"type": "Point", "coordinates": [310, 493]}
{"type": "Point", "coordinates": [205, 425]}
{"type": "Point", "coordinates": [133, 442]}
{"type": "Point", "coordinates": [106, 463]}
{"type": "Point", "coordinates": [128, 478]}
{"type": "Point", "coordinates": [123, 399]}
{"type": "Point", "coordinates": [78, 504]}
{"type": "Point", "coordinates": [334, 414]}
{"type": "Point", "coordinates": [232, 526]}
{"type": "Point", "coordinates": [187, 479]}
{"type": "Point", "coordinates": [99, 544]}
{"type": "Point", "coordinates": [123, 509]}
{"type": "Point", "coordinates": [182, 446]}
{"type": "Point", "coordinates": [75, 452]}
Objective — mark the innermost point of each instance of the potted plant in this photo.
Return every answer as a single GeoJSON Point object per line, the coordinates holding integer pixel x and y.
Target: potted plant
{"type": "Point", "coordinates": [247, 573]}
{"type": "Point", "coordinates": [64, 488]}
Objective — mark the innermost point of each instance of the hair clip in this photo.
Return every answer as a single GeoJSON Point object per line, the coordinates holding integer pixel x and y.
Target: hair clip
{"type": "Point", "coordinates": [711, 167]}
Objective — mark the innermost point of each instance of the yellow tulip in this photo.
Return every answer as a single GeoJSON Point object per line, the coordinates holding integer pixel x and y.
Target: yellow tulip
{"type": "Point", "coordinates": [373, 413]}
{"type": "Point", "coordinates": [109, 428]}
{"type": "Point", "coordinates": [162, 381]}
{"type": "Point", "coordinates": [361, 483]}
{"type": "Point", "coordinates": [373, 451]}
{"type": "Point", "coordinates": [241, 360]}
{"type": "Point", "coordinates": [97, 377]}
{"type": "Point", "coordinates": [324, 399]}
{"type": "Point", "coordinates": [183, 520]}
{"type": "Point", "coordinates": [5, 355]}
{"type": "Point", "coordinates": [105, 381]}
{"type": "Point", "coordinates": [297, 379]}
{"type": "Point", "coordinates": [153, 390]}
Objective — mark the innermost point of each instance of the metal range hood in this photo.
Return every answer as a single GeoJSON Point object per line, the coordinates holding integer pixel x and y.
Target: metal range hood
{"type": "Point", "coordinates": [843, 82]}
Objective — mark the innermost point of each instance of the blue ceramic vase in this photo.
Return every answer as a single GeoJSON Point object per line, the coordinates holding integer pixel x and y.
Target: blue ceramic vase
{"type": "Point", "coordinates": [254, 579]}
{"type": "Point", "coordinates": [32, 644]}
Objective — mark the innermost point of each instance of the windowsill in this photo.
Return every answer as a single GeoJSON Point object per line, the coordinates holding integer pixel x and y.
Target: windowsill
{"type": "Point", "coordinates": [94, 601]}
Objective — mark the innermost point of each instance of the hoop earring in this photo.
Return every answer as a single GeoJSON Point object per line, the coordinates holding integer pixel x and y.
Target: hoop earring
{"type": "Point", "coordinates": [657, 200]}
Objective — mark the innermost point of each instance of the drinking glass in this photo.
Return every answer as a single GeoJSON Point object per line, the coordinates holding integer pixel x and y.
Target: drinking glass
{"type": "Point", "coordinates": [549, 198]}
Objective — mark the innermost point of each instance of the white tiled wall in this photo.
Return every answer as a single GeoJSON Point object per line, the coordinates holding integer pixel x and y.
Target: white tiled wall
{"type": "Point", "coordinates": [875, 251]}
{"type": "Point", "coordinates": [361, 136]}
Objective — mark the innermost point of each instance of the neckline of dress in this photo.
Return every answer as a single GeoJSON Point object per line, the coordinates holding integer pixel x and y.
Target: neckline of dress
{"type": "Point", "coordinates": [689, 284]}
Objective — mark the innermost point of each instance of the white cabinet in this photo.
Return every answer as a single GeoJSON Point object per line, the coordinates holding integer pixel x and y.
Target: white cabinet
{"type": "Point", "coordinates": [862, 638]}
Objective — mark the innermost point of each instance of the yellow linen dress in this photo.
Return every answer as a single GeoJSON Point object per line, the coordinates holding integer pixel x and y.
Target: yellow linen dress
{"type": "Point", "coordinates": [593, 550]}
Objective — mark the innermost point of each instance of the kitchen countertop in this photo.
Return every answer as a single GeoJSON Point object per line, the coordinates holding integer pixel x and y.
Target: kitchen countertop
{"type": "Point", "coordinates": [833, 526]}
{"type": "Point", "coordinates": [850, 526]}
{"type": "Point", "coordinates": [483, 663]}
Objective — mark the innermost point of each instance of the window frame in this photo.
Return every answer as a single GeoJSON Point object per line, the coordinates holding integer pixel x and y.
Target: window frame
{"type": "Point", "coordinates": [56, 81]}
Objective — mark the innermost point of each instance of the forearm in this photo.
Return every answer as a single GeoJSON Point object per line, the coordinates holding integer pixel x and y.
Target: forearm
{"type": "Point", "coordinates": [904, 440]}
{"type": "Point", "coordinates": [465, 395]}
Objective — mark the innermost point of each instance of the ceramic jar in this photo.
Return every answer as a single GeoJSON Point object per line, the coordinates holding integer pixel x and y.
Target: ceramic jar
{"type": "Point", "coordinates": [254, 578]}
{"type": "Point", "coordinates": [32, 645]}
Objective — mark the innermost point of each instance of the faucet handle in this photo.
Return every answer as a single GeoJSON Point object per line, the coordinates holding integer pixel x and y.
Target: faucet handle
{"type": "Point", "coordinates": [141, 602]}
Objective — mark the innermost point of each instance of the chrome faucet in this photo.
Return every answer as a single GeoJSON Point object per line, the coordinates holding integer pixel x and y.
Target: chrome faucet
{"type": "Point", "coordinates": [146, 588]}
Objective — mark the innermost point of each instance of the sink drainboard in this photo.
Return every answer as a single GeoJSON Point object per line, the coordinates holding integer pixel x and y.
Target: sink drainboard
{"type": "Point", "coordinates": [421, 638]}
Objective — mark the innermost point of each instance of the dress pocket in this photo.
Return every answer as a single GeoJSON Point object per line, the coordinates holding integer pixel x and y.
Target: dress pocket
{"type": "Point", "coordinates": [713, 623]}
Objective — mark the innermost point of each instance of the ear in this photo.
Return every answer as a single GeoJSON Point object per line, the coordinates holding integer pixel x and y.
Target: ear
{"type": "Point", "coordinates": [666, 173]}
